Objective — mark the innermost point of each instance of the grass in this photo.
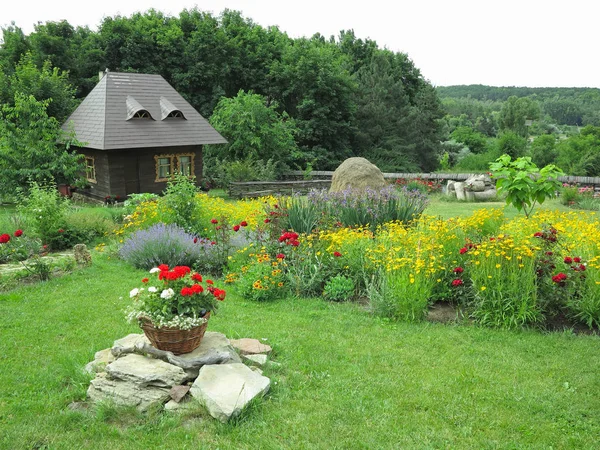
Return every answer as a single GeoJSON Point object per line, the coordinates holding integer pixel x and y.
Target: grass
{"type": "Point", "coordinates": [446, 209]}
{"type": "Point", "coordinates": [347, 380]}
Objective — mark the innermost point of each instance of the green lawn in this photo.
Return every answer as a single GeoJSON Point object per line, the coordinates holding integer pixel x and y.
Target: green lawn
{"type": "Point", "coordinates": [347, 380]}
{"type": "Point", "coordinates": [446, 209]}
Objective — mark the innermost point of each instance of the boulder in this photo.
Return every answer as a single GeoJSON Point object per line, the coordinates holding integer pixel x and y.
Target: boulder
{"type": "Point", "coordinates": [247, 346]}
{"type": "Point", "coordinates": [459, 187]}
{"type": "Point", "coordinates": [488, 194]}
{"type": "Point", "coordinates": [227, 388]}
{"type": "Point", "coordinates": [357, 174]}
{"type": "Point", "coordinates": [128, 343]}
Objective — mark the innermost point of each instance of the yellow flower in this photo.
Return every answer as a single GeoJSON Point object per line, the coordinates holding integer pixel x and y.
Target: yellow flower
{"type": "Point", "coordinates": [483, 288]}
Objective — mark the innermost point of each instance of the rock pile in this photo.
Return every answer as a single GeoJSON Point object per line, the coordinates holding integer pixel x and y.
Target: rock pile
{"type": "Point", "coordinates": [475, 188]}
{"type": "Point", "coordinates": [133, 373]}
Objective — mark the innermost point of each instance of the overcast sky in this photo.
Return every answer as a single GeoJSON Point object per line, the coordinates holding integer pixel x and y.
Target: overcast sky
{"type": "Point", "coordinates": [495, 42]}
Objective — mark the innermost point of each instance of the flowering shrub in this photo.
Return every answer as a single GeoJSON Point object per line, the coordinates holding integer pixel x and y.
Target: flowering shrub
{"type": "Point", "coordinates": [425, 186]}
{"type": "Point", "coordinates": [167, 244]}
{"type": "Point", "coordinates": [17, 246]}
{"type": "Point", "coordinates": [262, 278]}
{"type": "Point", "coordinates": [174, 298]}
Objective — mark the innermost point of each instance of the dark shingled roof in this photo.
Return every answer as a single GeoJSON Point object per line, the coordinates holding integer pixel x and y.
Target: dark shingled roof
{"type": "Point", "coordinates": [105, 121]}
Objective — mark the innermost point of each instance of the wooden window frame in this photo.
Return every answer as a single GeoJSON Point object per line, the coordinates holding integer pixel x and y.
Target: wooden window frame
{"type": "Point", "coordinates": [174, 166]}
{"type": "Point", "coordinates": [90, 169]}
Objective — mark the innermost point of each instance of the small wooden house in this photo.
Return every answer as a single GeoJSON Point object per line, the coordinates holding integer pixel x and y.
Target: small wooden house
{"type": "Point", "coordinates": [138, 131]}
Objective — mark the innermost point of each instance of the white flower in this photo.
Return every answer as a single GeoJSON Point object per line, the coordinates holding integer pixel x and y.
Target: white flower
{"type": "Point", "coordinates": [134, 292]}
{"type": "Point", "coordinates": [154, 270]}
{"type": "Point", "coordinates": [152, 289]}
{"type": "Point", "coordinates": [167, 293]}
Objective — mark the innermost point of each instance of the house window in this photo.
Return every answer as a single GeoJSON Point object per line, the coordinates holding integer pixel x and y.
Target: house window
{"type": "Point", "coordinates": [185, 165]}
{"type": "Point", "coordinates": [167, 165]}
{"type": "Point", "coordinates": [90, 169]}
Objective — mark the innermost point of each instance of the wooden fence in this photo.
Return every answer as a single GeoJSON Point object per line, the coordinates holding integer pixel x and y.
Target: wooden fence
{"type": "Point", "coordinates": [296, 183]}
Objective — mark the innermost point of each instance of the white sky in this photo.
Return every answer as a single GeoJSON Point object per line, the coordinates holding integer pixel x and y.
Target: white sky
{"type": "Point", "coordinates": [494, 42]}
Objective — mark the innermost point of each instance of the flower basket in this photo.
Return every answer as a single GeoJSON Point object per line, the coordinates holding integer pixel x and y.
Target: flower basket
{"type": "Point", "coordinates": [174, 340]}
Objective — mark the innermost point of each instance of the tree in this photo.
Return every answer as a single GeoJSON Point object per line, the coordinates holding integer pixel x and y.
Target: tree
{"type": "Point", "coordinates": [476, 141]}
{"type": "Point", "coordinates": [525, 184]}
{"type": "Point", "coordinates": [43, 84]}
{"type": "Point", "coordinates": [580, 154]}
{"type": "Point", "coordinates": [33, 147]}
{"type": "Point", "coordinates": [515, 111]}
{"type": "Point", "coordinates": [511, 144]}
{"type": "Point", "coordinates": [254, 130]}
{"type": "Point", "coordinates": [543, 150]}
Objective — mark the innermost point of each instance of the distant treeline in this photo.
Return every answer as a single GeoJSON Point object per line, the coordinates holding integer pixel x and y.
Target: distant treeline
{"type": "Point", "coordinates": [566, 106]}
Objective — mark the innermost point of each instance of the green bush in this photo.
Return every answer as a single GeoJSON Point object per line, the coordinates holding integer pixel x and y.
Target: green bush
{"type": "Point", "coordinates": [569, 195]}
{"type": "Point", "coordinates": [180, 202]}
{"type": "Point", "coordinates": [339, 288]}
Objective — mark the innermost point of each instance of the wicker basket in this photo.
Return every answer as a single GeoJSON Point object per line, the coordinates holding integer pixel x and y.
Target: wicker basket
{"type": "Point", "coordinates": [173, 339]}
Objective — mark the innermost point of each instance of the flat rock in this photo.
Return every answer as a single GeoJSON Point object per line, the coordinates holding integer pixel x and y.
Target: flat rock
{"type": "Point", "coordinates": [247, 346]}
{"type": "Point", "coordinates": [259, 360]}
{"type": "Point", "coordinates": [126, 393]}
{"type": "Point", "coordinates": [178, 392]}
{"type": "Point", "coordinates": [143, 371]}
{"type": "Point", "coordinates": [226, 389]}
{"type": "Point", "coordinates": [211, 342]}
{"type": "Point", "coordinates": [101, 359]}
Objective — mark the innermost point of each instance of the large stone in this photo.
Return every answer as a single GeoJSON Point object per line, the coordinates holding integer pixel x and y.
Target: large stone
{"type": "Point", "coordinates": [357, 174]}
{"type": "Point", "coordinates": [126, 393]}
{"type": "Point", "coordinates": [459, 188]}
{"type": "Point", "coordinates": [247, 346]}
{"type": "Point", "coordinates": [211, 342]}
{"type": "Point", "coordinates": [143, 371]}
{"type": "Point", "coordinates": [227, 388]}
{"type": "Point", "coordinates": [488, 194]}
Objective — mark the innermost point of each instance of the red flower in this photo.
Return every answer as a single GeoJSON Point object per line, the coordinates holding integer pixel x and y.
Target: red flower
{"type": "Point", "coordinates": [582, 267]}
{"type": "Point", "coordinates": [267, 220]}
{"type": "Point", "coordinates": [559, 278]}
{"type": "Point", "coordinates": [280, 256]}
{"type": "Point", "coordinates": [195, 240]}
{"type": "Point", "coordinates": [209, 282]}
{"type": "Point", "coordinates": [219, 294]}
{"type": "Point", "coordinates": [244, 223]}
{"type": "Point", "coordinates": [294, 243]}
{"type": "Point", "coordinates": [568, 260]}
{"type": "Point", "coordinates": [145, 280]}
{"type": "Point", "coordinates": [549, 253]}
{"type": "Point", "coordinates": [463, 250]}
{"type": "Point", "coordinates": [218, 227]}
{"type": "Point", "coordinates": [236, 228]}
{"type": "Point", "coordinates": [457, 282]}
{"type": "Point", "coordinates": [337, 254]}
{"type": "Point", "coordinates": [214, 221]}
{"type": "Point", "coordinates": [4, 238]}
{"type": "Point", "coordinates": [538, 234]}
{"type": "Point", "coordinates": [577, 259]}
{"type": "Point", "coordinates": [60, 230]}
{"type": "Point", "coordinates": [458, 270]}
{"type": "Point", "coordinates": [163, 267]}
{"type": "Point", "coordinates": [197, 277]}
{"type": "Point", "coordinates": [18, 233]}
{"type": "Point", "coordinates": [197, 289]}
{"type": "Point", "coordinates": [187, 291]}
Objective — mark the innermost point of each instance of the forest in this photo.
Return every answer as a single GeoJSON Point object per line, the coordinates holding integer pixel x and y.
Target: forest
{"type": "Point", "coordinates": [283, 103]}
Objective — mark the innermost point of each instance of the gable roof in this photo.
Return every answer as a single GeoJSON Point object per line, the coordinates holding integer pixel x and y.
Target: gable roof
{"type": "Point", "coordinates": [106, 119]}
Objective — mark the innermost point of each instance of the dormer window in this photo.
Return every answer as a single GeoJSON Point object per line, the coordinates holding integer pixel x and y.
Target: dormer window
{"type": "Point", "coordinates": [135, 110]}
{"type": "Point", "coordinates": [169, 111]}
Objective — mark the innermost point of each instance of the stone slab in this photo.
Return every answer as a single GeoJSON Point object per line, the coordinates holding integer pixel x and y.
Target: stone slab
{"type": "Point", "coordinates": [144, 371]}
{"type": "Point", "coordinates": [247, 346]}
{"type": "Point", "coordinates": [227, 388]}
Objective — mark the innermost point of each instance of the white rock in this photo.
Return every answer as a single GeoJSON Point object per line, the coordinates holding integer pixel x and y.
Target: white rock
{"type": "Point", "coordinates": [101, 359]}
{"type": "Point", "coordinates": [259, 360]}
{"type": "Point", "coordinates": [211, 342]}
{"type": "Point", "coordinates": [127, 344]}
{"type": "Point", "coordinates": [226, 389]}
{"type": "Point", "coordinates": [145, 371]}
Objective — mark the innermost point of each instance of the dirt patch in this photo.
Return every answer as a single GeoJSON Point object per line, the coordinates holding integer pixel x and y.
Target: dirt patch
{"type": "Point", "coordinates": [444, 312]}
